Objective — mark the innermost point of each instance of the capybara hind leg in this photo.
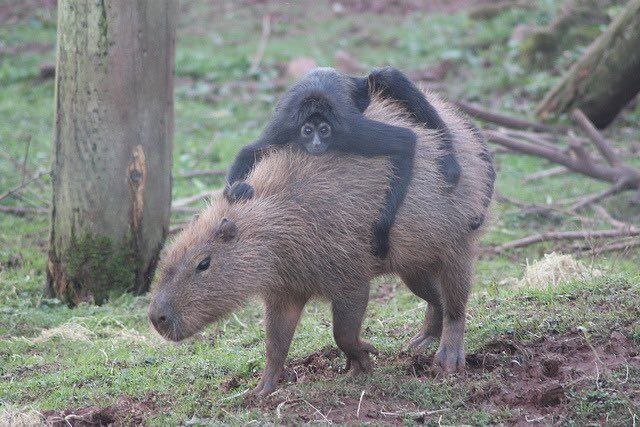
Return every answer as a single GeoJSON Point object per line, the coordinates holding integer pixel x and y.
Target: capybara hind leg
{"type": "Point", "coordinates": [423, 287]}
{"type": "Point", "coordinates": [348, 312]}
{"type": "Point", "coordinates": [281, 317]}
{"type": "Point", "coordinates": [455, 282]}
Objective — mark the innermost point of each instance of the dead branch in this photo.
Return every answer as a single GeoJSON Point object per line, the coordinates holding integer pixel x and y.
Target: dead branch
{"type": "Point", "coordinates": [183, 210]}
{"type": "Point", "coordinates": [616, 246]}
{"type": "Point", "coordinates": [601, 144]}
{"type": "Point", "coordinates": [542, 208]}
{"type": "Point", "coordinates": [179, 203]}
{"type": "Point", "coordinates": [23, 184]}
{"type": "Point", "coordinates": [266, 32]}
{"type": "Point", "coordinates": [505, 120]}
{"type": "Point", "coordinates": [22, 211]}
{"type": "Point", "coordinates": [605, 215]}
{"type": "Point", "coordinates": [553, 236]}
{"type": "Point", "coordinates": [546, 173]}
{"type": "Point", "coordinates": [206, 172]}
{"type": "Point", "coordinates": [616, 188]}
{"type": "Point", "coordinates": [598, 171]}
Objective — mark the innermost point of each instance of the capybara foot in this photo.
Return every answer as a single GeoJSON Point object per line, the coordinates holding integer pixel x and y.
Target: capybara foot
{"type": "Point", "coordinates": [362, 363]}
{"type": "Point", "coordinates": [265, 387]}
{"type": "Point", "coordinates": [421, 341]}
{"type": "Point", "coordinates": [450, 358]}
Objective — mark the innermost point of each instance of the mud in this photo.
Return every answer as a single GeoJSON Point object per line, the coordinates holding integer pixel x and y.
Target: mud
{"type": "Point", "coordinates": [538, 377]}
{"type": "Point", "coordinates": [126, 411]}
{"type": "Point", "coordinates": [533, 380]}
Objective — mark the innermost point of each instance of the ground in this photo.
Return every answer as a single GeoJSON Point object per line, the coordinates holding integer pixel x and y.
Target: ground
{"type": "Point", "coordinates": [550, 353]}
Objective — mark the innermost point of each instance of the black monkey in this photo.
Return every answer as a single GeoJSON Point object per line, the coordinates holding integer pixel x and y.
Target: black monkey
{"type": "Point", "coordinates": [392, 84]}
{"type": "Point", "coordinates": [323, 111]}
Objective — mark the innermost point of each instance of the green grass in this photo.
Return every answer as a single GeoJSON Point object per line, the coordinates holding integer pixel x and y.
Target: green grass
{"type": "Point", "coordinates": [53, 357]}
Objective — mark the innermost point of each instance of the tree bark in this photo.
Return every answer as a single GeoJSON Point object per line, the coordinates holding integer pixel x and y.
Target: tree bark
{"type": "Point", "coordinates": [605, 78]}
{"type": "Point", "coordinates": [112, 146]}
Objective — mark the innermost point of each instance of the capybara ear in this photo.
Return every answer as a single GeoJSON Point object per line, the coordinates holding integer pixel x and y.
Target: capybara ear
{"type": "Point", "coordinates": [227, 229]}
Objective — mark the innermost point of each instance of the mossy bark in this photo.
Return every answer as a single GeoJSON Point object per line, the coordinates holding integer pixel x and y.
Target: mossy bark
{"type": "Point", "coordinates": [606, 78]}
{"type": "Point", "coordinates": [112, 146]}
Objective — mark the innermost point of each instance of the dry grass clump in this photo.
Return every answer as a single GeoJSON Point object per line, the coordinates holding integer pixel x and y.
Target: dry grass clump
{"type": "Point", "coordinates": [20, 417]}
{"type": "Point", "coordinates": [552, 269]}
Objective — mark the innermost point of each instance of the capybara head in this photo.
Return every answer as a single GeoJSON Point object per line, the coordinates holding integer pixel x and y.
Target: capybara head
{"type": "Point", "coordinates": [210, 269]}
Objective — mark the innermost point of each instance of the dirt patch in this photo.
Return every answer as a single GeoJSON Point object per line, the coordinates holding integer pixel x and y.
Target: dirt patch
{"type": "Point", "coordinates": [126, 411]}
{"type": "Point", "coordinates": [537, 377]}
{"type": "Point", "coordinates": [322, 363]}
{"type": "Point", "coordinates": [534, 381]}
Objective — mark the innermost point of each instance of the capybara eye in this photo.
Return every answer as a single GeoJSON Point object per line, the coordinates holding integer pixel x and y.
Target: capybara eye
{"type": "Point", "coordinates": [204, 264]}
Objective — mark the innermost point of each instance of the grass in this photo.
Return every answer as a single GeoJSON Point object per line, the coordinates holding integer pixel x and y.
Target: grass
{"type": "Point", "coordinates": [54, 358]}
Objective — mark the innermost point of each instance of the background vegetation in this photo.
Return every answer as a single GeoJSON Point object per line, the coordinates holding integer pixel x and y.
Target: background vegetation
{"type": "Point", "coordinates": [104, 362]}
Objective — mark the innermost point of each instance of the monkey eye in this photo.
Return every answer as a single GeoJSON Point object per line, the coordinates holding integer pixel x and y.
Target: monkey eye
{"type": "Point", "coordinates": [204, 264]}
{"type": "Point", "coordinates": [324, 129]}
{"type": "Point", "coordinates": [307, 130]}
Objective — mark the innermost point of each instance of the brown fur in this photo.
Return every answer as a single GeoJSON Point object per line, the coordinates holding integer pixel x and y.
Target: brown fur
{"type": "Point", "coordinates": [307, 233]}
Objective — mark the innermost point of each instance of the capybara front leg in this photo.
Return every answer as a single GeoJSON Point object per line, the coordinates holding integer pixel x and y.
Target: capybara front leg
{"type": "Point", "coordinates": [455, 283]}
{"type": "Point", "coordinates": [422, 286]}
{"type": "Point", "coordinates": [348, 312]}
{"type": "Point", "coordinates": [281, 317]}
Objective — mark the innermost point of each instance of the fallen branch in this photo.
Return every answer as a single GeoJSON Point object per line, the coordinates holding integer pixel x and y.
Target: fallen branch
{"type": "Point", "coordinates": [598, 171]}
{"type": "Point", "coordinates": [565, 235]}
{"type": "Point", "coordinates": [22, 211]}
{"type": "Point", "coordinates": [601, 144]}
{"type": "Point", "coordinates": [179, 203]}
{"type": "Point", "coordinates": [616, 246]}
{"type": "Point", "coordinates": [616, 188]}
{"type": "Point", "coordinates": [23, 184]}
{"type": "Point", "coordinates": [505, 120]}
{"type": "Point", "coordinates": [558, 170]}
{"type": "Point", "coordinates": [605, 215]}
{"type": "Point", "coordinates": [543, 208]}
{"type": "Point", "coordinates": [206, 172]}
{"type": "Point", "coordinates": [266, 32]}
{"type": "Point", "coordinates": [183, 209]}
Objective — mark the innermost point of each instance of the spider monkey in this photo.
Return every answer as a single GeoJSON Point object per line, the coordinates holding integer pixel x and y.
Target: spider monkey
{"type": "Point", "coordinates": [324, 111]}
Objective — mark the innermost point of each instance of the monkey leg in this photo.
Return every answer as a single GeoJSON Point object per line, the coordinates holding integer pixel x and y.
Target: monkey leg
{"type": "Point", "coordinates": [423, 286]}
{"type": "Point", "coordinates": [455, 283]}
{"type": "Point", "coordinates": [348, 312]}
{"type": "Point", "coordinates": [281, 318]}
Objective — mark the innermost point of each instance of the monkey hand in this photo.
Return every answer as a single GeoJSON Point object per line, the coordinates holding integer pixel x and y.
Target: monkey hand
{"type": "Point", "coordinates": [238, 191]}
{"type": "Point", "coordinates": [381, 240]}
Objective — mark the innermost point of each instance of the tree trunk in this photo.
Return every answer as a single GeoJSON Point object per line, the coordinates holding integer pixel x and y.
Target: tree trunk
{"type": "Point", "coordinates": [112, 146]}
{"type": "Point", "coordinates": [606, 78]}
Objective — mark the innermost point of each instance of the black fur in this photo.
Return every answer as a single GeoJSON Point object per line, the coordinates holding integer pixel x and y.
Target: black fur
{"type": "Point", "coordinates": [326, 97]}
{"type": "Point", "coordinates": [392, 84]}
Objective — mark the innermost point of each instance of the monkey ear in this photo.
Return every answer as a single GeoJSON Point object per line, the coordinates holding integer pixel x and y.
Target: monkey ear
{"type": "Point", "coordinates": [227, 230]}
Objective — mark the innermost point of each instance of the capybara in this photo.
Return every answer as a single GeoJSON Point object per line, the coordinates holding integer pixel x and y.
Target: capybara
{"type": "Point", "coordinates": [306, 233]}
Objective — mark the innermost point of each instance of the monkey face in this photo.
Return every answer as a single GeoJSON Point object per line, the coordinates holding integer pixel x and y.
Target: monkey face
{"type": "Point", "coordinates": [316, 135]}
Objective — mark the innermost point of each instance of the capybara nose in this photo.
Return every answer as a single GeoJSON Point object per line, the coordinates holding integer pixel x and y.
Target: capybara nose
{"type": "Point", "coordinates": [161, 317]}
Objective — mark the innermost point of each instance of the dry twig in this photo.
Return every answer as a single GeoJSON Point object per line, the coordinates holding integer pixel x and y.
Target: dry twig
{"type": "Point", "coordinates": [266, 32]}
{"type": "Point", "coordinates": [505, 120]}
{"type": "Point", "coordinates": [565, 235]}
{"type": "Point", "coordinates": [206, 172]}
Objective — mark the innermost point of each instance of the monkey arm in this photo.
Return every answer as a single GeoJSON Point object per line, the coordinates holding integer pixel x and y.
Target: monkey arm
{"type": "Point", "coordinates": [360, 92]}
{"type": "Point", "coordinates": [392, 84]}
{"type": "Point", "coordinates": [373, 138]}
{"type": "Point", "coordinates": [248, 156]}
{"type": "Point", "coordinates": [274, 134]}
